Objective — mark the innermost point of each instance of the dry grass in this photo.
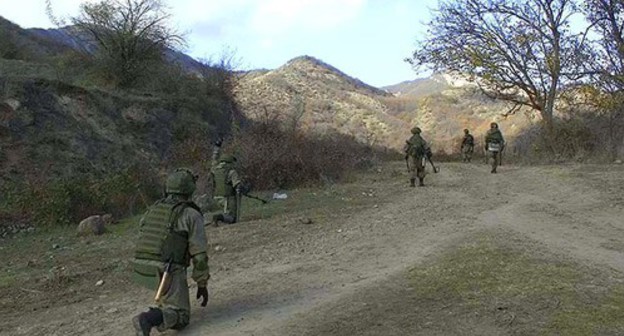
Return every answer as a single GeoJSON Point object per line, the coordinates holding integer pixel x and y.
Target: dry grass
{"type": "Point", "coordinates": [525, 289]}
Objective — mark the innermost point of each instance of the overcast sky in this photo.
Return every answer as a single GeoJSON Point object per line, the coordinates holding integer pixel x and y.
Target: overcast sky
{"type": "Point", "coordinates": [367, 39]}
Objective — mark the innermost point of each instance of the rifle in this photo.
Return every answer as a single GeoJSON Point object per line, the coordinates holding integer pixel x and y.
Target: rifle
{"type": "Point", "coordinates": [500, 161]}
{"type": "Point", "coordinates": [435, 169]}
{"type": "Point", "coordinates": [407, 162]}
{"type": "Point", "coordinates": [256, 198]}
{"type": "Point", "coordinates": [164, 281]}
{"type": "Point", "coordinates": [239, 204]}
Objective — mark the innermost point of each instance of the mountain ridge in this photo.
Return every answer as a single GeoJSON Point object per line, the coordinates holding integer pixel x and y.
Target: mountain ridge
{"type": "Point", "coordinates": [319, 97]}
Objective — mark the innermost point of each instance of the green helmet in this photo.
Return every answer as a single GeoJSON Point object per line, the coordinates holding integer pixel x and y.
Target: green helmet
{"type": "Point", "coordinates": [416, 130]}
{"type": "Point", "coordinates": [493, 125]}
{"type": "Point", "coordinates": [228, 158]}
{"type": "Point", "coordinates": [466, 131]}
{"type": "Point", "coordinates": [181, 181]}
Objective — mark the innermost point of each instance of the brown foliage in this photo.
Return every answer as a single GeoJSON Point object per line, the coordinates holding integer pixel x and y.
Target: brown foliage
{"type": "Point", "coordinates": [272, 157]}
{"type": "Point", "coordinates": [566, 140]}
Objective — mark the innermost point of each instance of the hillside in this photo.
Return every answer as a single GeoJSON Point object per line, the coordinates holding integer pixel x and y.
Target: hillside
{"type": "Point", "coordinates": [65, 38]}
{"type": "Point", "coordinates": [319, 98]}
{"type": "Point", "coordinates": [18, 43]}
{"type": "Point", "coordinates": [49, 127]}
{"type": "Point", "coordinates": [322, 98]}
{"type": "Point", "coordinates": [419, 87]}
{"type": "Point", "coordinates": [443, 116]}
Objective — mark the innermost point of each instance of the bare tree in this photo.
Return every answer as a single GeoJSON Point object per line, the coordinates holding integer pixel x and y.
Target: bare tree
{"type": "Point", "coordinates": [130, 36]}
{"type": "Point", "coordinates": [606, 17]}
{"type": "Point", "coordinates": [520, 51]}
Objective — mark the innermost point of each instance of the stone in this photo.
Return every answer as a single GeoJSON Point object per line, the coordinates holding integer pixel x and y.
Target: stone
{"type": "Point", "coordinates": [108, 219]}
{"type": "Point", "coordinates": [306, 221]}
{"type": "Point", "coordinates": [618, 162]}
{"type": "Point", "coordinates": [13, 103]}
{"type": "Point", "coordinates": [99, 283]}
{"type": "Point", "coordinates": [93, 225]}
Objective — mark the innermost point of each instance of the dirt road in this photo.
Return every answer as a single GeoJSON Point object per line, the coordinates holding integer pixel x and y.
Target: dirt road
{"type": "Point", "coordinates": [344, 274]}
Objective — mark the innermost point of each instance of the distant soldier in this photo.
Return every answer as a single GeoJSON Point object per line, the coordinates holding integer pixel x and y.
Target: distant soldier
{"type": "Point", "coordinates": [494, 144]}
{"type": "Point", "coordinates": [171, 235]}
{"type": "Point", "coordinates": [416, 149]}
{"type": "Point", "coordinates": [227, 186]}
{"type": "Point", "coordinates": [467, 146]}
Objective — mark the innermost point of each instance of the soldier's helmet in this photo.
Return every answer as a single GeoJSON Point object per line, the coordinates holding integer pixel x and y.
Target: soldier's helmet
{"type": "Point", "coordinates": [228, 158]}
{"type": "Point", "coordinates": [493, 125]}
{"type": "Point", "coordinates": [181, 181]}
{"type": "Point", "coordinates": [466, 131]}
{"type": "Point", "coordinates": [416, 130]}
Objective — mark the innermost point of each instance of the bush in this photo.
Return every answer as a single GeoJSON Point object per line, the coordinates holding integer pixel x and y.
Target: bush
{"type": "Point", "coordinates": [272, 157]}
{"type": "Point", "coordinates": [66, 201]}
{"type": "Point", "coordinates": [567, 140]}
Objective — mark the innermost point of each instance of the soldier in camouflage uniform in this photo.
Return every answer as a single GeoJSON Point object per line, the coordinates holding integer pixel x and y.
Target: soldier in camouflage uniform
{"type": "Point", "coordinates": [227, 186]}
{"type": "Point", "coordinates": [494, 144]}
{"type": "Point", "coordinates": [467, 146]}
{"type": "Point", "coordinates": [171, 231]}
{"type": "Point", "coordinates": [416, 148]}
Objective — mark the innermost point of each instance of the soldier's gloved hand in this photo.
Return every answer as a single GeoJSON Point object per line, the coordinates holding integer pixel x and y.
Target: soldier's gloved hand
{"type": "Point", "coordinates": [202, 293]}
{"type": "Point", "coordinates": [218, 142]}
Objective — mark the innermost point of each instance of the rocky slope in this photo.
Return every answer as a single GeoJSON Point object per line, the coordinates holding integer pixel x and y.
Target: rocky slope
{"type": "Point", "coordinates": [318, 97]}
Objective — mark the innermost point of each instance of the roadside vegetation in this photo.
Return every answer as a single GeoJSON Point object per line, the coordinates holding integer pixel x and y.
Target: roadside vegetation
{"type": "Point", "coordinates": [131, 108]}
{"type": "Point", "coordinates": [524, 288]}
{"type": "Point", "coordinates": [530, 55]}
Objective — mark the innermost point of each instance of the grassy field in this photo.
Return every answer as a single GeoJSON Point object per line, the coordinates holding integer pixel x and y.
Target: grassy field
{"type": "Point", "coordinates": [525, 288]}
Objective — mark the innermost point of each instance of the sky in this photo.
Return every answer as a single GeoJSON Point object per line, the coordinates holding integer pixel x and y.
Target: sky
{"type": "Point", "coordinates": [366, 39]}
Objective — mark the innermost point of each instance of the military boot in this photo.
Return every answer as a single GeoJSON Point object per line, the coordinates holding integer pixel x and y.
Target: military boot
{"type": "Point", "coordinates": [412, 182]}
{"type": "Point", "coordinates": [228, 219]}
{"type": "Point", "coordinates": [421, 181]}
{"type": "Point", "coordinates": [216, 219]}
{"type": "Point", "coordinates": [493, 170]}
{"type": "Point", "coordinates": [144, 322]}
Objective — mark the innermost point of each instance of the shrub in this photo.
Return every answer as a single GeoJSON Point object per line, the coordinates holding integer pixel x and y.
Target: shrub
{"type": "Point", "coordinates": [272, 157]}
{"type": "Point", "coordinates": [567, 139]}
{"type": "Point", "coordinates": [65, 201]}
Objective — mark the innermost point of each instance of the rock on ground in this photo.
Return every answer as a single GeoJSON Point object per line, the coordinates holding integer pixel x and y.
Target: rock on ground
{"type": "Point", "coordinates": [93, 225]}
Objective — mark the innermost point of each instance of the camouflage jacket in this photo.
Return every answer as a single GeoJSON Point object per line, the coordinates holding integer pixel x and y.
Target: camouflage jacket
{"type": "Point", "coordinates": [416, 146]}
{"type": "Point", "coordinates": [494, 136]}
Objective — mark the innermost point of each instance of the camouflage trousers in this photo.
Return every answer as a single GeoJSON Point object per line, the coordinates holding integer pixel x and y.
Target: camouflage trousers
{"type": "Point", "coordinates": [494, 158]}
{"type": "Point", "coordinates": [467, 153]}
{"type": "Point", "coordinates": [175, 304]}
{"type": "Point", "coordinates": [416, 167]}
{"type": "Point", "coordinates": [229, 205]}
{"type": "Point", "coordinates": [218, 205]}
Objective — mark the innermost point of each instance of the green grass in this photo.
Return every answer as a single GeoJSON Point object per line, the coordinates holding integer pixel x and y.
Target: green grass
{"type": "Point", "coordinates": [544, 296]}
{"type": "Point", "coordinates": [322, 201]}
{"type": "Point", "coordinates": [23, 69]}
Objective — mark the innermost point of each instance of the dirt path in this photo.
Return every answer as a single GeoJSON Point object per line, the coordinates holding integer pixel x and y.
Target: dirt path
{"type": "Point", "coordinates": [286, 278]}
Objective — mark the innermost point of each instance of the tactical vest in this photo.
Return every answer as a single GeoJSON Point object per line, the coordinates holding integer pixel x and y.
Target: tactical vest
{"type": "Point", "coordinates": [468, 140]}
{"type": "Point", "coordinates": [494, 137]}
{"type": "Point", "coordinates": [416, 147]}
{"type": "Point", "coordinates": [158, 239]}
{"type": "Point", "coordinates": [222, 187]}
